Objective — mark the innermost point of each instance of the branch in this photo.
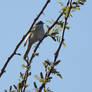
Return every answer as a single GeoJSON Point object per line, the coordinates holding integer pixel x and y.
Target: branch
{"type": "Point", "coordinates": [44, 37]}
{"type": "Point", "coordinates": [58, 49]}
{"type": "Point", "coordinates": [32, 56]}
{"type": "Point", "coordinates": [64, 27]}
{"type": "Point", "coordinates": [17, 46]}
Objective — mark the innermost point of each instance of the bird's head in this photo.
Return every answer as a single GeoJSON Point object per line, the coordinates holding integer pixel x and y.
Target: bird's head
{"type": "Point", "coordinates": [39, 23]}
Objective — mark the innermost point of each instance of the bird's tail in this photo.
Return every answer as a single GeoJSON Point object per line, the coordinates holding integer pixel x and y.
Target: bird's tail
{"type": "Point", "coordinates": [27, 51]}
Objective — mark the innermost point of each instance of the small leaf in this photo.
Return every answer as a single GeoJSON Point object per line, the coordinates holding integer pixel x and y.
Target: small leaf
{"type": "Point", "coordinates": [54, 33]}
{"type": "Point", "coordinates": [75, 9]}
{"type": "Point", "coordinates": [67, 9]}
{"type": "Point", "coordinates": [48, 62]}
{"type": "Point", "coordinates": [52, 30]}
{"type": "Point", "coordinates": [47, 27]}
{"type": "Point", "coordinates": [21, 75]}
{"type": "Point", "coordinates": [58, 39]}
{"type": "Point", "coordinates": [81, 2]}
{"type": "Point", "coordinates": [44, 90]}
{"type": "Point", "coordinates": [48, 68]}
{"type": "Point", "coordinates": [41, 80]}
{"type": "Point", "coordinates": [54, 71]}
{"type": "Point", "coordinates": [64, 44]}
{"type": "Point", "coordinates": [36, 54]}
{"type": "Point", "coordinates": [63, 8]}
{"type": "Point", "coordinates": [25, 85]}
{"type": "Point", "coordinates": [67, 27]}
{"type": "Point", "coordinates": [61, 3]}
{"type": "Point", "coordinates": [24, 66]}
{"type": "Point", "coordinates": [44, 63]}
{"type": "Point", "coordinates": [70, 15]}
{"type": "Point", "coordinates": [58, 74]}
{"type": "Point", "coordinates": [57, 62]}
{"type": "Point", "coordinates": [36, 90]}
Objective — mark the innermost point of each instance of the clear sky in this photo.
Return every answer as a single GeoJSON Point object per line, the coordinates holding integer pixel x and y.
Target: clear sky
{"type": "Point", "coordinates": [76, 66]}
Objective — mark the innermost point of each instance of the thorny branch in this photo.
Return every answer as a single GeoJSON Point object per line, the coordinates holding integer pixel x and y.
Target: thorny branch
{"type": "Point", "coordinates": [18, 45]}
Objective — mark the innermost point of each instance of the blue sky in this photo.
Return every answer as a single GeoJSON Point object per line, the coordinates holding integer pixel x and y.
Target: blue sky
{"type": "Point", "coordinates": [15, 19]}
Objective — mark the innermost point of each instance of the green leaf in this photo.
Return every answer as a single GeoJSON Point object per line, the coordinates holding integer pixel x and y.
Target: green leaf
{"type": "Point", "coordinates": [44, 63]}
{"type": "Point", "coordinates": [21, 75]}
{"type": "Point", "coordinates": [63, 8]}
{"type": "Point", "coordinates": [57, 62]}
{"type": "Point", "coordinates": [41, 80]}
{"type": "Point", "coordinates": [75, 9]}
{"type": "Point", "coordinates": [54, 71]}
{"type": "Point", "coordinates": [36, 90]}
{"type": "Point", "coordinates": [44, 90]}
{"type": "Point", "coordinates": [54, 33]}
{"type": "Point", "coordinates": [58, 74]}
{"type": "Point", "coordinates": [58, 39]}
{"type": "Point", "coordinates": [47, 62]}
{"type": "Point", "coordinates": [52, 30]}
{"type": "Point", "coordinates": [48, 68]}
{"type": "Point", "coordinates": [61, 3]}
{"type": "Point", "coordinates": [25, 85]}
{"type": "Point", "coordinates": [60, 23]}
{"type": "Point", "coordinates": [70, 15]}
{"type": "Point", "coordinates": [47, 27]}
{"type": "Point", "coordinates": [64, 44]}
{"type": "Point", "coordinates": [24, 66]}
{"type": "Point", "coordinates": [81, 2]}
{"type": "Point", "coordinates": [67, 27]}
{"type": "Point", "coordinates": [36, 54]}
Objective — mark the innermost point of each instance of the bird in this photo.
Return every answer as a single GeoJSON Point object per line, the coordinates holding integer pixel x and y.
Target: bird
{"type": "Point", "coordinates": [36, 34]}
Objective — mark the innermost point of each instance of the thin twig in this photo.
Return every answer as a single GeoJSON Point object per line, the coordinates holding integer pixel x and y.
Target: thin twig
{"type": "Point", "coordinates": [64, 27]}
{"type": "Point", "coordinates": [17, 46]}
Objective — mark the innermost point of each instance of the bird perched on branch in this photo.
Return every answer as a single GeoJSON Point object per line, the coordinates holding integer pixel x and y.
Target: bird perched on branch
{"type": "Point", "coordinates": [35, 35]}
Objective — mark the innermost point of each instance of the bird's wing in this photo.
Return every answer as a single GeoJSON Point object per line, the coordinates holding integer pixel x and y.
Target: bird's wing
{"type": "Point", "coordinates": [27, 37]}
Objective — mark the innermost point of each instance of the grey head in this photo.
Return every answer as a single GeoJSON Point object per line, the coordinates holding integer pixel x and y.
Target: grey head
{"type": "Point", "coordinates": [39, 23]}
